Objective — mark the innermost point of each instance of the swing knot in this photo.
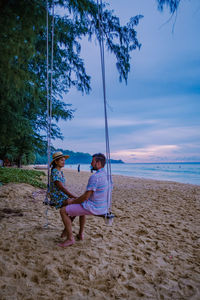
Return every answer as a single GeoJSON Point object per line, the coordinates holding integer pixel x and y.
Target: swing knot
{"type": "Point", "coordinates": [109, 218]}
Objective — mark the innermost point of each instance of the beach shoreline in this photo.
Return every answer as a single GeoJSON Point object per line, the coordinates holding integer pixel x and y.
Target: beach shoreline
{"type": "Point", "coordinates": [150, 252]}
{"type": "Point", "coordinates": [44, 168]}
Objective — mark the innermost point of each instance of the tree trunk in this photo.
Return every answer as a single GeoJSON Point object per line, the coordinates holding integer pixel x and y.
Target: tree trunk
{"type": "Point", "coordinates": [19, 162]}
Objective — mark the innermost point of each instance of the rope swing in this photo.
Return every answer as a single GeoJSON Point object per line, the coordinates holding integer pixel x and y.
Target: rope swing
{"type": "Point", "coordinates": [49, 99]}
{"type": "Point", "coordinates": [108, 216]}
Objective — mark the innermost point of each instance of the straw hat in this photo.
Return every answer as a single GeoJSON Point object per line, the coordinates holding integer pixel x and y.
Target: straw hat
{"type": "Point", "coordinates": [58, 155]}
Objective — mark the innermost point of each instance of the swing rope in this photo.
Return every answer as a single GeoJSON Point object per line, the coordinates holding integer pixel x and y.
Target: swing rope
{"type": "Point", "coordinates": [101, 46]}
{"type": "Point", "coordinates": [49, 97]}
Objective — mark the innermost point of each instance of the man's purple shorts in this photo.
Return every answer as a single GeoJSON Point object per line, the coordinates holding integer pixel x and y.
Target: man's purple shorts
{"type": "Point", "coordinates": [74, 210]}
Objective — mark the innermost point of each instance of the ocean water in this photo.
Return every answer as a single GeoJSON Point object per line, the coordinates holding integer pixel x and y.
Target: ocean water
{"type": "Point", "coordinates": [179, 172]}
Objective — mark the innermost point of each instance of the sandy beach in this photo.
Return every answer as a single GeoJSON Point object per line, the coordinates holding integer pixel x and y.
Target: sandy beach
{"type": "Point", "coordinates": [152, 250]}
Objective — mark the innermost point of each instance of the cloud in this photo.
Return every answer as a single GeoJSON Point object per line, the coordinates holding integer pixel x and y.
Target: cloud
{"type": "Point", "coordinates": [146, 153]}
{"type": "Point", "coordinates": [100, 122]}
{"type": "Point", "coordinates": [162, 153]}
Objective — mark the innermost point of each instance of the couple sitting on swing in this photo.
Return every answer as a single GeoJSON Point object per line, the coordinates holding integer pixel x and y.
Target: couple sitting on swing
{"type": "Point", "coordinates": [92, 202]}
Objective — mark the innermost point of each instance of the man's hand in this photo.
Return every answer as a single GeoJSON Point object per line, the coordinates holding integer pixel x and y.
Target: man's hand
{"type": "Point", "coordinates": [80, 199]}
{"type": "Point", "coordinates": [70, 201]}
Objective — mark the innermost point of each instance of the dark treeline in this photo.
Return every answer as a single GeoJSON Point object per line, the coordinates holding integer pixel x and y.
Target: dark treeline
{"type": "Point", "coordinates": [23, 38]}
{"type": "Point", "coordinates": [74, 158]}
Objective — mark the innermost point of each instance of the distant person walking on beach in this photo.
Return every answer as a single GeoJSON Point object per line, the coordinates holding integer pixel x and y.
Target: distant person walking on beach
{"type": "Point", "coordinates": [58, 192]}
{"type": "Point", "coordinates": [92, 202]}
{"type": "Point", "coordinates": [79, 167]}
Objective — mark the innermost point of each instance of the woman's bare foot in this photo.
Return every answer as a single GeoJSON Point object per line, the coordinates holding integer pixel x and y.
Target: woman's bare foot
{"type": "Point", "coordinates": [64, 232]}
{"type": "Point", "coordinates": [67, 243]}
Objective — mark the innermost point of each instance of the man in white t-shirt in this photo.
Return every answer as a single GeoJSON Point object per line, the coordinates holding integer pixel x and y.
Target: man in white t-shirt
{"type": "Point", "coordinates": [92, 202]}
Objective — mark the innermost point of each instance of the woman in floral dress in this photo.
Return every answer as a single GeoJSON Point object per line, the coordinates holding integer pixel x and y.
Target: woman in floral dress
{"type": "Point", "coordinates": [58, 192]}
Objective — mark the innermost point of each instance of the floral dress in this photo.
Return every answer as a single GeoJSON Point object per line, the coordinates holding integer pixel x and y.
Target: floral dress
{"type": "Point", "coordinates": [56, 195]}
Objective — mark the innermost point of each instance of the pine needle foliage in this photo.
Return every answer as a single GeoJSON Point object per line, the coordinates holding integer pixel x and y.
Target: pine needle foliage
{"type": "Point", "coordinates": [14, 175]}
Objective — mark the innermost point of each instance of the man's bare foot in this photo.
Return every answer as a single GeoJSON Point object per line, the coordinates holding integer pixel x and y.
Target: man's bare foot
{"type": "Point", "coordinates": [66, 243]}
{"type": "Point", "coordinates": [80, 236]}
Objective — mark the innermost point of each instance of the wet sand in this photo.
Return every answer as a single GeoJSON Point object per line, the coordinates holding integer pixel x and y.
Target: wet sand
{"type": "Point", "coordinates": [152, 250]}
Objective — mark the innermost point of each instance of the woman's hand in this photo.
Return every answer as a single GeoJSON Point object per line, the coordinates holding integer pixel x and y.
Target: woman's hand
{"type": "Point", "coordinates": [70, 201]}
{"type": "Point", "coordinates": [65, 203]}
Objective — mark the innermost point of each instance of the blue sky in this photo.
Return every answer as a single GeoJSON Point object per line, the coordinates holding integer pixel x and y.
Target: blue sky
{"type": "Point", "coordinates": [156, 116]}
